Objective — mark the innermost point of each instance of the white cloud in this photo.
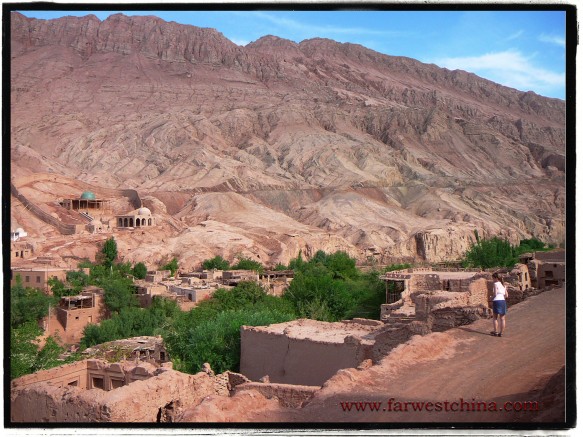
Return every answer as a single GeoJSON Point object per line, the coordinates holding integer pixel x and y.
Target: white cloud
{"type": "Point", "coordinates": [310, 30]}
{"type": "Point", "coordinates": [240, 42]}
{"type": "Point", "coordinates": [510, 68]}
{"type": "Point", "coordinates": [553, 39]}
{"type": "Point", "coordinates": [514, 35]}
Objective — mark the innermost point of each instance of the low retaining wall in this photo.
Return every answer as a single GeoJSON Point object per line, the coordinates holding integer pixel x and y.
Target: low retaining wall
{"type": "Point", "coordinates": [63, 228]}
{"type": "Point", "coordinates": [288, 395]}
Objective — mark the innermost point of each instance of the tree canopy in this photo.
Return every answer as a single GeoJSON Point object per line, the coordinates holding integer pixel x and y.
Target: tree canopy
{"type": "Point", "coordinates": [218, 263]}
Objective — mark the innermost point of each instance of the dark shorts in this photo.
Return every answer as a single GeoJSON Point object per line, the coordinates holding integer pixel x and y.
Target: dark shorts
{"type": "Point", "coordinates": [499, 307]}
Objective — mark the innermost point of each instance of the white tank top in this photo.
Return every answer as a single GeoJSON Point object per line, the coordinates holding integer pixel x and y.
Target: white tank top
{"type": "Point", "coordinates": [499, 291]}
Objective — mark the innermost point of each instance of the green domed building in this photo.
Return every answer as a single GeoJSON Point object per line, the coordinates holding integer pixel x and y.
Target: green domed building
{"type": "Point", "coordinates": [86, 202]}
{"type": "Point", "coordinates": [87, 195]}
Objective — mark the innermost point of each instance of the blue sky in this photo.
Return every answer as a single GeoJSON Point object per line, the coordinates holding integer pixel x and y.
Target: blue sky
{"type": "Point", "coordinates": [520, 49]}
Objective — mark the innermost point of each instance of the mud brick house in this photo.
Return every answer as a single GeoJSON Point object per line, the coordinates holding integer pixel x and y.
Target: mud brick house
{"type": "Point", "coordinates": [145, 291]}
{"type": "Point", "coordinates": [233, 277]}
{"type": "Point", "coordinates": [67, 321]}
{"type": "Point", "coordinates": [37, 277]}
{"type": "Point", "coordinates": [20, 250]}
{"type": "Point", "coordinates": [546, 269]}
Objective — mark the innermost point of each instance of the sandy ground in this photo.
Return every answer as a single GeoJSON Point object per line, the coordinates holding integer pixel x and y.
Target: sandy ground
{"type": "Point", "coordinates": [462, 363]}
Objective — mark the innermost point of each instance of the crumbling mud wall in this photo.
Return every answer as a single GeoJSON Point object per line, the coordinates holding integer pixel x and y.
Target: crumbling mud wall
{"type": "Point", "coordinates": [159, 396]}
{"type": "Point", "coordinates": [58, 376]}
{"type": "Point", "coordinates": [290, 396]}
{"type": "Point", "coordinates": [442, 310]}
{"type": "Point", "coordinates": [392, 336]}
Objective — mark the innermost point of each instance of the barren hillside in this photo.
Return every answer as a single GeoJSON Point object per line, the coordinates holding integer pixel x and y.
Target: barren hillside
{"type": "Point", "coordinates": [277, 146]}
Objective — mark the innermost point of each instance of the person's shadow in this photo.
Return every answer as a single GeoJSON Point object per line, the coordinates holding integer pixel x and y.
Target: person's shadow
{"type": "Point", "coordinates": [473, 330]}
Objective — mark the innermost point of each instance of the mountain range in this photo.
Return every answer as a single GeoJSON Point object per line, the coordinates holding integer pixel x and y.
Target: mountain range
{"type": "Point", "coordinates": [278, 147]}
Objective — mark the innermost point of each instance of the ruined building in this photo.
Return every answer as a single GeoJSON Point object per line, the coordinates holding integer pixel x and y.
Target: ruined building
{"type": "Point", "coordinates": [546, 269]}
{"type": "Point", "coordinates": [146, 349]}
{"type": "Point", "coordinates": [443, 299]}
{"type": "Point", "coordinates": [97, 391]}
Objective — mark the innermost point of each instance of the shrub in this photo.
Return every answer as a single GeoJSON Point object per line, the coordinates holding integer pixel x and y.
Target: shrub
{"type": "Point", "coordinates": [493, 252]}
{"type": "Point", "coordinates": [247, 264]}
{"type": "Point", "coordinates": [172, 266]}
{"type": "Point", "coordinates": [218, 341]}
{"type": "Point", "coordinates": [27, 304]}
{"type": "Point", "coordinates": [25, 355]}
{"type": "Point", "coordinates": [217, 263]}
{"type": "Point", "coordinates": [140, 271]}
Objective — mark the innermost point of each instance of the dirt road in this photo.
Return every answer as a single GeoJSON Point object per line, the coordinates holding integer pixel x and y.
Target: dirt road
{"type": "Point", "coordinates": [464, 363]}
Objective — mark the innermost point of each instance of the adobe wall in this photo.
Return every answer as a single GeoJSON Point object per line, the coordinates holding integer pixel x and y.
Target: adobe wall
{"type": "Point", "coordinates": [445, 309]}
{"type": "Point", "coordinates": [549, 273]}
{"type": "Point", "coordinates": [423, 283]}
{"type": "Point", "coordinates": [478, 291]}
{"type": "Point", "coordinates": [63, 228]}
{"type": "Point", "coordinates": [551, 256]}
{"type": "Point", "coordinates": [74, 322]}
{"type": "Point", "coordinates": [58, 376]}
{"type": "Point", "coordinates": [297, 361]}
{"type": "Point", "coordinates": [392, 337]}
{"type": "Point", "coordinates": [38, 277]}
{"type": "Point", "coordinates": [149, 400]}
{"type": "Point", "coordinates": [520, 275]}
{"type": "Point", "coordinates": [289, 396]}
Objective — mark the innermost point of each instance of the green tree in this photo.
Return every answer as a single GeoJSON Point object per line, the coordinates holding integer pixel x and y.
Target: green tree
{"type": "Point", "coordinates": [218, 341]}
{"type": "Point", "coordinates": [342, 265]}
{"type": "Point", "coordinates": [297, 263]}
{"type": "Point", "coordinates": [25, 355]}
{"type": "Point", "coordinates": [172, 266]}
{"type": "Point", "coordinates": [77, 280]}
{"type": "Point", "coordinates": [109, 251]}
{"type": "Point", "coordinates": [85, 264]}
{"type": "Point", "coordinates": [140, 270]}
{"type": "Point", "coordinates": [394, 267]}
{"type": "Point", "coordinates": [280, 267]}
{"type": "Point", "coordinates": [118, 294]}
{"type": "Point", "coordinates": [218, 263]}
{"type": "Point", "coordinates": [247, 264]}
{"type": "Point", "coordinates": [132, 322]}
{"type": "Point", "coordinates": [370, 293]}
{"type": "Point", "coordinates": [316, 283]}
{"type": "Point", "coordinates": [531, 245]}
{"type": "Point", "coordinates": [493, 252]}
{"type": "Point", "coordinates": [27, 304]}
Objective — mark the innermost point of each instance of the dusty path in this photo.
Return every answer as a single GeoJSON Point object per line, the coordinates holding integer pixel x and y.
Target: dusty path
{"type": "Point", "coordinates": [463, 363]}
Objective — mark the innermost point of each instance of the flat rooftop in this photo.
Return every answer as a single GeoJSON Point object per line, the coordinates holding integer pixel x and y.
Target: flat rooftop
{"type": "Point", "coordinates": [38, 269]}
{"type": "Point", "coordinates": [443, 275]}
{"type": "Point", "coordinates": [326, 332]}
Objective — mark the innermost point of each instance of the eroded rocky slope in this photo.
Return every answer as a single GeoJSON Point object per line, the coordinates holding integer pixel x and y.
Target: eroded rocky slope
{"type": "Point", "coordinates": [284, 146]}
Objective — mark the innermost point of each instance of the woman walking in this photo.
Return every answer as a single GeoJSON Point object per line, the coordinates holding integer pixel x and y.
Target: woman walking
{"type": "Point", "coordinates": [499, 306]}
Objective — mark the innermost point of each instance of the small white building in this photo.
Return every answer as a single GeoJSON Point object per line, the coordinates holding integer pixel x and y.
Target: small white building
{"type": "Point", "coordinates": [141, 217]}
{"type": "Point", "coordinates": [17, 234]}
